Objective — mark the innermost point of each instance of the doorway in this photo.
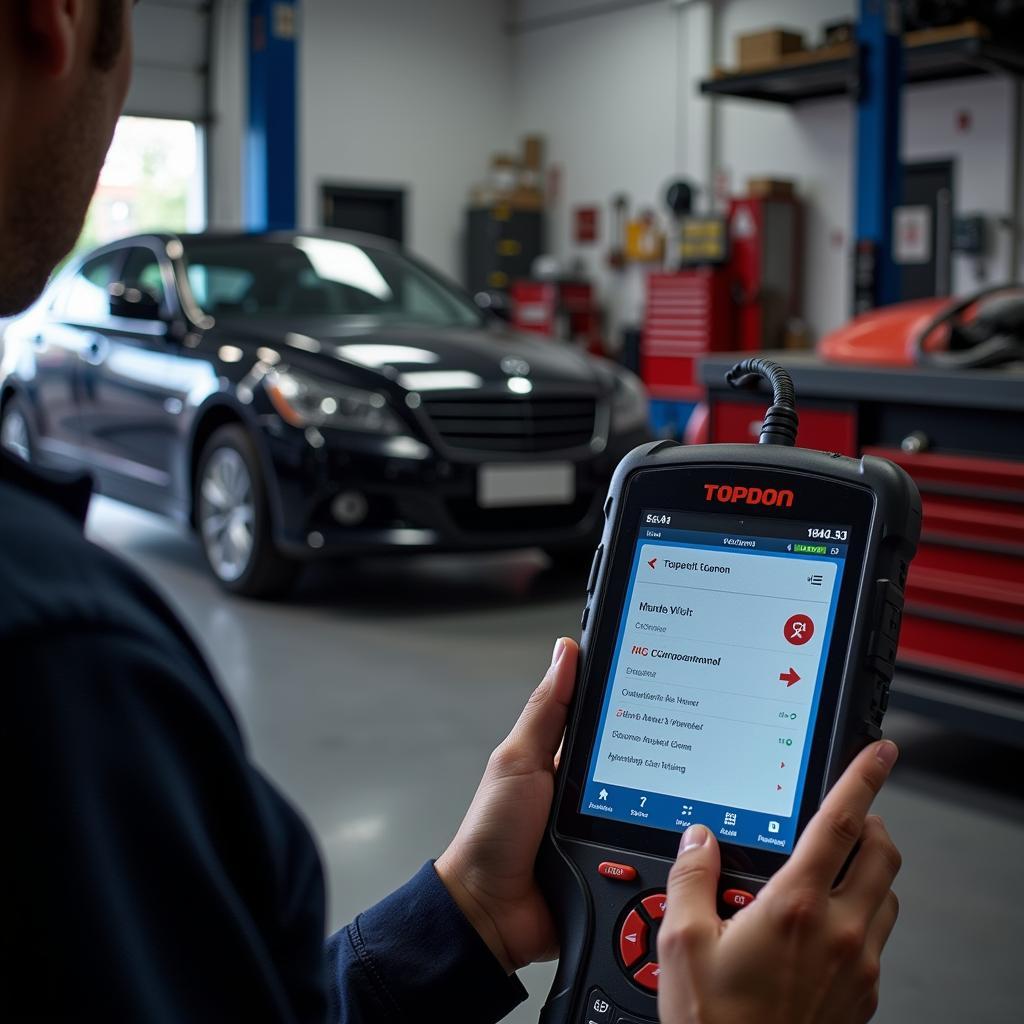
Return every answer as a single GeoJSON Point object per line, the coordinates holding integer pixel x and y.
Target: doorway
{"type": "Point", "coordinates": [923, 230]}
{"type": "Point", "coordinates": [373, 211]}
{"type": "Point", "coordinates": [153, 179]}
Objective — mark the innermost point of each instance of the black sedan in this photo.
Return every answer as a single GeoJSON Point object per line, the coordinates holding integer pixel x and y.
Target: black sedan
{"type": "Point", "coordinates": [298, 395]}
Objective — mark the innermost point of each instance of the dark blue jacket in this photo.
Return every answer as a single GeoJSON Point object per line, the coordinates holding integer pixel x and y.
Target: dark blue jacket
{"type": "Point", "coordinates": [150, 872]}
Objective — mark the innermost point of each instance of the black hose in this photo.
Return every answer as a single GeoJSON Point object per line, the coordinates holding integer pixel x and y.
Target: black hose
{"type": "Point", "coordinates": [780, 421]}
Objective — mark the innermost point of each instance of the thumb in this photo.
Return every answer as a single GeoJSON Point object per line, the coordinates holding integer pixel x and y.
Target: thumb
{"type": "Point", "coordinates": [537, 734]}
{"type": "Point", "coordinates": [691, 913]}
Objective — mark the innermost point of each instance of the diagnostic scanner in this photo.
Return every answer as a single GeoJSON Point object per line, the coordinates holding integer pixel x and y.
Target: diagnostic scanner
{"type": "Point", "coordinates": [738, 642]}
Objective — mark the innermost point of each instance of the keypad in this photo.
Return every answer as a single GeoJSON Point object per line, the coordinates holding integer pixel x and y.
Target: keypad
{"type": "Point", "coordinates": [638, 941]}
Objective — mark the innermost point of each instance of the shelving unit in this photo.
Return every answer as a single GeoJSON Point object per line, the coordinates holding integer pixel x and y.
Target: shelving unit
{"type": "Point", "coordinates": [933, 55]}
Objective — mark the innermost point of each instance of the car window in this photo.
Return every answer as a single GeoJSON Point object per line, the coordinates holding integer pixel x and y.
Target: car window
{"type": "Point", "coordinates": [311, 276]}
{"type": "Point", "coordinates": [425, 305]}
{"type": "Point", "coordinates": [219, 289]}
{"type": "Point", "coordinates": [88, 301]}
{"type": "Point", "coordinates": [142, 271]}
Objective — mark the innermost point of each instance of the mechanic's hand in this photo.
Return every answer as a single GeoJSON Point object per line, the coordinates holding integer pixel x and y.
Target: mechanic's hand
{"type": "Point", "coordinates": [488, 868]}
{"type": "Point", "coordinates": [802, 952]}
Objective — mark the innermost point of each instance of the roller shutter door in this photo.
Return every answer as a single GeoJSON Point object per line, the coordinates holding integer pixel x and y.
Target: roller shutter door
{"type": "Point", "coordinates": [171, 61]}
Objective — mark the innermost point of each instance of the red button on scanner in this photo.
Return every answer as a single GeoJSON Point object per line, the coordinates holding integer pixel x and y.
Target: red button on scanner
{"type": "Point", "coordinates": [647, 976]}
{"type": "Point", "coordinates": [737, 897]}
{"type": "Point", "coordinates": [620, 872]}
{"type": "Point", "coordinates": [633, 938]}
{"type": "Point", "coordinates": [655, 906]}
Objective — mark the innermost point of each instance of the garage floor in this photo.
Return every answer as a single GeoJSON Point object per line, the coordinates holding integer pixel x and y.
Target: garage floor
{"type": "Point", "coordinates": [375, 696]}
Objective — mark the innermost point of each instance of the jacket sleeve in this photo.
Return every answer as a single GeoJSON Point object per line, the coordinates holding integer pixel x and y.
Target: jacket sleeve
{"type": "Point", "coordinates": [159, 878]}
{"type": "Point", "coordinates": [414, 957]}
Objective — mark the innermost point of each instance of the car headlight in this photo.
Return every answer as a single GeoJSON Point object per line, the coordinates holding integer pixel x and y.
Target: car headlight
{"type": "Point", "coordinates": [629, 402]}
{"type": "Point", "coordinates": [303, 400]}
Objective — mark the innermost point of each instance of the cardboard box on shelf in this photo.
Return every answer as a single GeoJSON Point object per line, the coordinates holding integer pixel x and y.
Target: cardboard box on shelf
{"type": "Point", "coordinates": [835, 32]}
{"type": "Point", "coordinates": [771, 188]}
{"type": "Point", "coordinates": [512, 199]}
{"type": "Point", "coordinates": [762, 49]}
{"type": "Point", "coordinates": [533, 152]}
{"type": "Point", "coordinates": [514, 181]}
{"type": "Point", "coordinates": [523, 198]}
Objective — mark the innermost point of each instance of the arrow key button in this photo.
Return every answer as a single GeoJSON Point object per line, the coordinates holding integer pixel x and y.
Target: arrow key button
{"type": "Point", "coordinates": [633, 939]}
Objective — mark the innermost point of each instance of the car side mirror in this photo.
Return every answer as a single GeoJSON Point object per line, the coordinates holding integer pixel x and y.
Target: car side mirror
{"type": "Point", "coordinates": [494, 304]}
{"type": "Point", "coordinates": [134, 303]}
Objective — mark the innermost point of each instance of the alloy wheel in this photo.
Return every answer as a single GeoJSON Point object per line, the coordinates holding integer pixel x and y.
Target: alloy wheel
{"type": "Point", "coordinates": [227, 513]}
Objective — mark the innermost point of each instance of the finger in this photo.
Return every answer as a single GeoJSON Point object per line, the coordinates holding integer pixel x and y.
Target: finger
{"type": "Point", "coordinates": [883, 924]}
{"type": "Point", "coordinates": [538, 733]}
{"type": "Point", "coordinates": [825, 845]}
{"type": "Point", "coordinates": [691, 915]}
{"type": "Point", "coordinates": [873, 869]}
{"type": "Point", "coordinates": [866, 1008]}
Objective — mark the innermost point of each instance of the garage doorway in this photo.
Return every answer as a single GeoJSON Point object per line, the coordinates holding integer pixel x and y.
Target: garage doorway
{"type": "Point", "coordinates": [152, 180]}
{"type": "Point", "coordinates": [373, 211]}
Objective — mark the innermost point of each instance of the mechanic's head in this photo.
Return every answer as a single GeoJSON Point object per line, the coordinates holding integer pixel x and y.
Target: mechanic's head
{"type": "Point", "coordinates": [64, 72]}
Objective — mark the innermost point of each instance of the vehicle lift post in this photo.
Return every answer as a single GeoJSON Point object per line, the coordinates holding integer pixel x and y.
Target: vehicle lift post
{"type": "Point", "coordinates": [271, 137]}
{"type": "Point", "coordinates": [878, 170]}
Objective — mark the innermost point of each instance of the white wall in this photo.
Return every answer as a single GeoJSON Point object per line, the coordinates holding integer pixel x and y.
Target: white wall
{"type": "Point", "coordinates": [604, 94]}
{"type": "Point", "coordinates": [617, 95]}
{"type": "Point", "coordinates": [225, 136]}
{"type": "Point", "coordinates": [405, 93]}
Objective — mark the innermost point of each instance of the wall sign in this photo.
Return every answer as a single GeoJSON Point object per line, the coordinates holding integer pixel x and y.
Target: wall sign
{"type": "Point", "coordinates": [912, 234]}
{"type": "Point", "coordinates": [586, 224]}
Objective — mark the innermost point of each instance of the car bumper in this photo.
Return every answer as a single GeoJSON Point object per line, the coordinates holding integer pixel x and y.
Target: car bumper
{"type": "Point", "coordinates": [423, 502]}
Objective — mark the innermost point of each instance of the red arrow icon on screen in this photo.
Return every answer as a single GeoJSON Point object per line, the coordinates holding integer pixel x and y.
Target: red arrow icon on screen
{"type": "Point", "coordinates": [790, 677]}
{"type": "Point", "coordinates": [653, 562]}
{"type": "Point", "coordinates": [777, 787]}
{"type": "Point", "coordinates": [782, 764]}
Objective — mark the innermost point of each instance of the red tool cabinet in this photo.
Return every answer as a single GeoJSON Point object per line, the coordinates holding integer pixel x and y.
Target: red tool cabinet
{"type": "Point", "coordinates": [744, 303]}
{"type": "Point", "coordinates": [557, 308]}
{"type": "Point", "coordinates": [960, 435]}
{"type": "Point", "coordinates": [687, 315]}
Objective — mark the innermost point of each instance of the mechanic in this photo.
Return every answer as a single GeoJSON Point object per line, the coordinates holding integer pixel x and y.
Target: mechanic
{"type": "Point", "coordinates": [152, 874]}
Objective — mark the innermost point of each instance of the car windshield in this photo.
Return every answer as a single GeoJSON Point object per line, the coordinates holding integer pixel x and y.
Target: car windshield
{"type": "Point", "coordinates": [319, 277]}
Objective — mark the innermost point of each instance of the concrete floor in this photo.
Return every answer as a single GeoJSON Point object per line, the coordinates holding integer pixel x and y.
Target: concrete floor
{"type": "Point", "coordinates": [374, 697]}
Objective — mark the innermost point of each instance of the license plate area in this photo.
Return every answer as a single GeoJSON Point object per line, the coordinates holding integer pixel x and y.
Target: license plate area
{"type": "Point", "coordinates": [524, 484]}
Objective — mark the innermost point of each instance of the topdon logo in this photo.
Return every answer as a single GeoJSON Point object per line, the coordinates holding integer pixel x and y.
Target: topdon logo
{"type": "Point", "coordinates": [748, 495]}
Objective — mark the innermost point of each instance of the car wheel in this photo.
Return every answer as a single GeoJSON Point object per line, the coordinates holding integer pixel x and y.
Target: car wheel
{"type": "Point", "coordinates": [233, 518]}
{"type": "Point", "coordinates": [15, 436]}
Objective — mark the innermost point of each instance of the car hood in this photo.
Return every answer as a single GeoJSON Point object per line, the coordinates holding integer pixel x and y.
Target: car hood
{"type": "Point", "coordinates": [425, 358]}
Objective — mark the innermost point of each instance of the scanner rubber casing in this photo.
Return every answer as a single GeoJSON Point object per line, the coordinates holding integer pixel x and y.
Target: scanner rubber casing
{"type": "Point", "coordinates": [589, 908]}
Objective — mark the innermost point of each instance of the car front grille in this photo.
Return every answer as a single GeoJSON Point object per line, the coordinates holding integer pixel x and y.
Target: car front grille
{"type": "Point", "coordinates": [514, 424]}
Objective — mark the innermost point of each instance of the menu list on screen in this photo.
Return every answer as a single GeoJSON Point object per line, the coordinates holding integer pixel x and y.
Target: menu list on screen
{"type": "Point", "coordinates": [715, 680]}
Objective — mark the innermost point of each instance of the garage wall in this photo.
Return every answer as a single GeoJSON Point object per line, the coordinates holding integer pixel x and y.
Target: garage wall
{"type": "Point", "coordinates": [226, 133]}
{"type": "Point", "coordinates": [403, 93]}
{"type": "Point", "coordinates": [605, 94]}
{"type": "Point", "coordinates": [616, 93]}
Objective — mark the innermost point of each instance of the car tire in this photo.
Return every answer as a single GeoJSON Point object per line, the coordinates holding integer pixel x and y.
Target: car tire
{"type": "Point", "coordinates": [15, 429]}
{"type": "Point", "coordinates": [232, 516]}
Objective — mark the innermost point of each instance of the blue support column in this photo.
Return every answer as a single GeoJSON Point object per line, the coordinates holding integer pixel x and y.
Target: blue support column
{"type": "Point", "coordinates": [271, 132]}
{"type": "Point", "coordinates": [878, 167]}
